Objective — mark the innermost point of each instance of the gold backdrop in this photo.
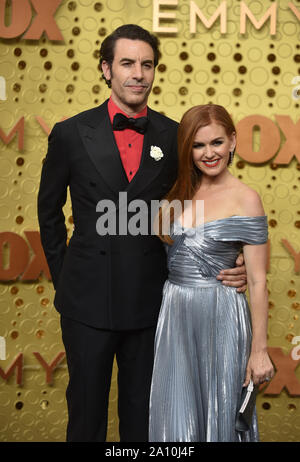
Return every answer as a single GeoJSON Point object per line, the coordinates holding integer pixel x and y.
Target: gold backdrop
{"type": "Point", "coordinates": [43, 81]}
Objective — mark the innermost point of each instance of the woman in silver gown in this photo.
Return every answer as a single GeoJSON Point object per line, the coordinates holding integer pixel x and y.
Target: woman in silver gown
{"type": "Point", "coordinates": [208, 342]}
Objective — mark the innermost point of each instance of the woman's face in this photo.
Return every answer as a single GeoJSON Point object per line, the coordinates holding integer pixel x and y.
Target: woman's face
{"type": "Point", "coordinates": [211, 149]}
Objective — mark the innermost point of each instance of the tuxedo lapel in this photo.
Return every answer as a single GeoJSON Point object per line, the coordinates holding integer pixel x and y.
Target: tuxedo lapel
{"type": "Point", "coordinates": [100, 144]}
{"type": "Point", "coordinates": [98, 139]}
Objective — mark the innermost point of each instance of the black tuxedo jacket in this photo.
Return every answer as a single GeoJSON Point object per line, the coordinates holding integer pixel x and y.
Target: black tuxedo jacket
{"type": "Point", "coordinates": [108, 281]}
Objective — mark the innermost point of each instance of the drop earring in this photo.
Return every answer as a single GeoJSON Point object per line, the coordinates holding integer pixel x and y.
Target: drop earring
{"type": "Point", "coordinates": [231, 156]}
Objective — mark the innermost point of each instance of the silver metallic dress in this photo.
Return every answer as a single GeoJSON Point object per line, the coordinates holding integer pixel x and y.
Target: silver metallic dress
{"type": "Point", "coordinates": [203, 337]}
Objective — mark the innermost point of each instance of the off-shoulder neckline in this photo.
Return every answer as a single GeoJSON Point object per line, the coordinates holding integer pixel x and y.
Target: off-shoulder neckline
{"type": "Point", "coordinates": [222, 219]}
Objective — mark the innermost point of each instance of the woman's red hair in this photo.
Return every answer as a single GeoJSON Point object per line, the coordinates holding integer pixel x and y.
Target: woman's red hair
{"type": "Point", "coordinates": [189, 175]}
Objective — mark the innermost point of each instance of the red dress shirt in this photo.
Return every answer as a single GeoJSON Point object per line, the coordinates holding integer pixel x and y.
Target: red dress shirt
{"type": "Point", "coordinates": [129, 142]}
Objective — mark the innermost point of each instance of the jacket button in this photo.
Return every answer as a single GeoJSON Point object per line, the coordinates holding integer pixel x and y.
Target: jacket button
{"type": "Point", "coordinates": [102, 252]}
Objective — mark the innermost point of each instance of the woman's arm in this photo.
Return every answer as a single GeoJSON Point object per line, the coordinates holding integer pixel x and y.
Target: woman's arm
{"type": "Point", "coordinates": [259, 365]}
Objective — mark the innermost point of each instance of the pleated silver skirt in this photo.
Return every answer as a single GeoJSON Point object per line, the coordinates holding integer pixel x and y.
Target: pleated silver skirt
{"type": "Point", "coordinates": [202, 347]}
{"type": "Point", "coordinates": [203, 338]}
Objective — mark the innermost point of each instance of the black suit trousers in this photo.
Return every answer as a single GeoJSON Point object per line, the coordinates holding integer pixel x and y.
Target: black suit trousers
{"type": "Point", "coordinates": [90, 354]}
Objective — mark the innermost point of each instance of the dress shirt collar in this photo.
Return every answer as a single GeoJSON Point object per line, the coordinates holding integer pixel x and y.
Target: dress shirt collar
{"type": "Point", "coordinates": [113, 109]}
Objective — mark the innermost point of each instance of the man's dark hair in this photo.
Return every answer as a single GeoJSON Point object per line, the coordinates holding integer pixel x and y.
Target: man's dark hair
{"type": "Point", "coordinates": [131, 32]}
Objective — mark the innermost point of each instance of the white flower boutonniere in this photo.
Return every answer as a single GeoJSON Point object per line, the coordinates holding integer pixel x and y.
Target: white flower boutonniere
{"type": "Point", "coordinates": [156, 153]}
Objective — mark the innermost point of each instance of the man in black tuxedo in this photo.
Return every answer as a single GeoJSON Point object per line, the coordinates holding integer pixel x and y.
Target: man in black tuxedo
{"type": "Point", "coordinates": [109, 287]}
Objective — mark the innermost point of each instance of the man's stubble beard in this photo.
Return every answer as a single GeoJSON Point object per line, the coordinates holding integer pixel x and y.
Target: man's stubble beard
{"type": "Point", "coordinates": [133, 106]}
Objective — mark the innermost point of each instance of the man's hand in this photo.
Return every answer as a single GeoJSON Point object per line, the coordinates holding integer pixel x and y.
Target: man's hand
{"type": "Point", "coordinates": [235, 277]}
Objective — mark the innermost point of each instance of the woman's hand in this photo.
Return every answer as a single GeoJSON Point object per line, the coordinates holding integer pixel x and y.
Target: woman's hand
{"type": "Point", "coordinates": [259, 368]}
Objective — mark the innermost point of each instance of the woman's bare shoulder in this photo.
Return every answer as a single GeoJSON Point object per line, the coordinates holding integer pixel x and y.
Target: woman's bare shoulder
{"type": "Point", "coordinates": [249, 200]}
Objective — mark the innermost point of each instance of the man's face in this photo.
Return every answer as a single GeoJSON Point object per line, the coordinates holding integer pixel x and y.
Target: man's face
{"type": "Point", "coordinates": [131, 74]}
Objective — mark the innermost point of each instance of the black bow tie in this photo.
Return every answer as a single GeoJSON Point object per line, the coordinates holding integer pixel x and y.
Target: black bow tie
{"type": "Point", "coordinates": [121, 122]}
